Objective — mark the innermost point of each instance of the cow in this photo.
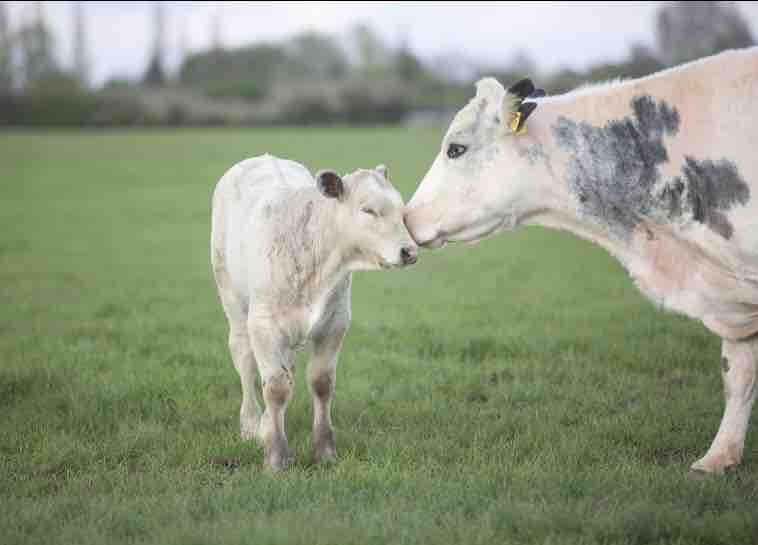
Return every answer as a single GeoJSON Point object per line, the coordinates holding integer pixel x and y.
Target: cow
{"type": "Point", "coordinates": [661, 171]}
{"type": "Point", "coordinates": [283, 249]}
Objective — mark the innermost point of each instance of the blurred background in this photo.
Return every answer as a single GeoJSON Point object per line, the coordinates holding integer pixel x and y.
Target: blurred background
{"type": "Point", "coordinates": [103, 64]}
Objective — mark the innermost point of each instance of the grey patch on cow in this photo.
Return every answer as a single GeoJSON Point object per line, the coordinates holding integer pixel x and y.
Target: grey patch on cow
{"type": "Point", "coordinates": [532, 153]}
{"type": "Point", "coordinates": [614, 168]}
{"type": "Point", "coordinates": [724, 364]}
{"type": "Point", "coordinates": [653, 117]}
{"type": "Point", "coordinates": [712, 187]}
{"type": "Point", "coordinates": [535, 154]}
{"type": "Point", "coordinates": [614, 171]}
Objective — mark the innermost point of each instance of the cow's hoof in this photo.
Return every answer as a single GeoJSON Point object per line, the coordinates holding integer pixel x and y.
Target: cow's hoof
{"type": "Point", "coordinates": [699, 475]}
{"type": "Point", "coordinates": [708, 466]}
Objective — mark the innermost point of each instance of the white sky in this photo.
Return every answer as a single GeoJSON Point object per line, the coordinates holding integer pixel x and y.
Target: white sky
{"type": "Point", "coordinates": [555, 34]}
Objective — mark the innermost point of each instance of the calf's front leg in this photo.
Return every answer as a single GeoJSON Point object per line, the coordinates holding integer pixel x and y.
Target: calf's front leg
{"type": "Point", "coordinates": [739, 372]}
{"type": "Point", "coordinates": [322, 376]}
{"type": "Point", "coordinates": [276, 366]}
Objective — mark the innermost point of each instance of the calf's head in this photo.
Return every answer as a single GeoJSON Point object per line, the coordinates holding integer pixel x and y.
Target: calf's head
{"type": "Point", "coordinates": [369, 215]}
{"type": "Point", "coordinates": [474, 187]}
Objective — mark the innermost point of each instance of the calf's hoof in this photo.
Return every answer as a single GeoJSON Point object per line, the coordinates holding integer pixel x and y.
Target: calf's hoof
{"type": "Point", "coordinates": [325, 448]}
{"type": "Point", "coordinates": [277, 455]}
{"type": "Point", "coordinates": [249, 428]}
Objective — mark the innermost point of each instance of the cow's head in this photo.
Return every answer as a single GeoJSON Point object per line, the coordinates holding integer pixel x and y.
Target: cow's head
{"type": "Point", "coordinates": [369, 214]}
{"type": "Point", "coordinates": [474, 186]}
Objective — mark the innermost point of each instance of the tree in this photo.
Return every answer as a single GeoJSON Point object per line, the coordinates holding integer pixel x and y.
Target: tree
{"type": "Point", "coordinates": [81, 55]}
{"type": "Point", "coordinates": [372, 54]}
{"type": "Point", "coordinates": [318, 55]}
{"type": "Point", "coordinates": [6, 53]}
{"type": "Point", "coordinates": [36, 47]}
{"type": "Point", "coordinates": [689, 30]}
{"type": "Point", "coordinates": [408, 65]}
{"type": "Point", "coordinates": [217, 43]}
{"type": "Point", "coordinates": [155, 75]}
{"type": "Point", "coordinates": [246, 72]}
{"type": "Point", "coordinates": [642, 62]}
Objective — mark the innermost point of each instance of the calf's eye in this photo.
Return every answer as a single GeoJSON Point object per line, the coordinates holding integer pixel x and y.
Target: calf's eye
{"type": "Point", "coordinates": [369, 211]}
{"type": "Point", "coordinates": [456, 150]}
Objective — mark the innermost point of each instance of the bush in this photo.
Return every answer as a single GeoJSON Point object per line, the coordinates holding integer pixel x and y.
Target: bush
{"type": "Point", "coordinates": [374, 102]}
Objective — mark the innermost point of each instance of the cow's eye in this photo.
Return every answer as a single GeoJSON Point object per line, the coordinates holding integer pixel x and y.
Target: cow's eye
{"type": "Point", "coordinates": [369, 211]}
{"type": "Point", "coordinates": [456, 150]}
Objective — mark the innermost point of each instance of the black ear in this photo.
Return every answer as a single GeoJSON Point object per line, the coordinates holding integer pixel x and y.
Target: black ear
{"type": "Point", "coordinates": [522, 89]}
{"type": "Point", "coordinates": [537, 93]}
{"type": "Point", "coordinates": [330, 184]}
{"type": "Point", "coordinates": [524, 110]}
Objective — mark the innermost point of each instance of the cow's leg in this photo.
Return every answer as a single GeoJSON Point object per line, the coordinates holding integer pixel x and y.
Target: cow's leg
{"type": "Point", "coordinates": [244, 361]}
{"type": "Point", "coordinates": [322, 375]}
{"type": "Point", "coordinates": [739, 371]}
{"type": "Point", "coordinates": [242, 356]}
{"type": "Point", "coordinates": [276, 366]}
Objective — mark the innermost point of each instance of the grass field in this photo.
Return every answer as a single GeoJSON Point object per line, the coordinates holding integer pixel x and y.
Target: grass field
{"type": "Point", "coordinates": [515, 391]}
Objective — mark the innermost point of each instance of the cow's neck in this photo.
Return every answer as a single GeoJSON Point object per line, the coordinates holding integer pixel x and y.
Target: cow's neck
{"type": "Point", "coordinates": [550, 203]}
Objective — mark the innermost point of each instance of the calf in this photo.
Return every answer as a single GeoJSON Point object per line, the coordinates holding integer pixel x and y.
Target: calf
{"type": "Point", "coordinates": [283, 249]}
{"type": "Point", "coordinates": [661, 171]}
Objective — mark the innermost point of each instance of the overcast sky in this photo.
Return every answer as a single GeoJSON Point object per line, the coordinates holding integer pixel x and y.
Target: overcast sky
{"type": "Point", "coordinates": [555, 34]}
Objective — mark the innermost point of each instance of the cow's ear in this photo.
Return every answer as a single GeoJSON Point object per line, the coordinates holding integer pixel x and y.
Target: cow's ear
{"type": "Point", "coordinates": [384, 171]}
{"type": "Point", "coordinates": [518, 104]}
{"type": "Point", "coordinates": [518, 121]}
{"type": "Point", "coordinates": [330, 184]}
{"type": "Point", "coordinates": [537, 93]}
{"type": "Point", "coordinates": [522, 89]}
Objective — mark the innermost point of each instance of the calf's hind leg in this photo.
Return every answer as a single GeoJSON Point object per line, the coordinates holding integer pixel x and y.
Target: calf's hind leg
{"type": "Point", "coordinates": [242, 354]}
{"type": "Point", "coordinates": [739, 372]}
{"type": "Point", "coordinates": [244, 361]}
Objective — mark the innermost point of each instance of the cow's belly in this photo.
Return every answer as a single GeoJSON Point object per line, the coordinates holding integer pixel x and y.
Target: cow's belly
{"type": "Point", "coordinates": [678, 275]}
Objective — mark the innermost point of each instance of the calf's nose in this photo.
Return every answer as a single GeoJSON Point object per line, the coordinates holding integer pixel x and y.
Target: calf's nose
{"type": "Point", "coordinates": [409, 255]}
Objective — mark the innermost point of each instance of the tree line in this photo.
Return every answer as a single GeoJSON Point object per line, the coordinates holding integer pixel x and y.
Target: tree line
{"type": "Point", "coordinates": [307, 78]}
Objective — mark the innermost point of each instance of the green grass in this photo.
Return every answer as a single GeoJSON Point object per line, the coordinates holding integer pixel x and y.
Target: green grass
{"type": "Point", "coordinates": [516, 391]}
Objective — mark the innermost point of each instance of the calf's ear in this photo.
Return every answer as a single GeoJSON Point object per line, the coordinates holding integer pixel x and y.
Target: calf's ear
{"type": "Point", "coordinates": [330, 184]}
{"type": "Point", "coordinates": [384, 171]}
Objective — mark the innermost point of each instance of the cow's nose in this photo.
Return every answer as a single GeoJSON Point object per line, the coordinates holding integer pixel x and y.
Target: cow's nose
{"type": "Point", "coordinates": [422, 233]}
{"type": "Point", "coordinates": [409, 255]}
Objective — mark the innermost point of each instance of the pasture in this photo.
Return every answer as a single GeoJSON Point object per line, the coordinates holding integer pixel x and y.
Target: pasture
{"type": "Point", "coordinates": [516, 391]}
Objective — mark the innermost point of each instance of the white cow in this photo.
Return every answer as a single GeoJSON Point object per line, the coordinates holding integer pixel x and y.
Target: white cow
{"type": "Point", "coordinates": [283, 248]}
{"type": "Point", "coordinates": [661, 171]}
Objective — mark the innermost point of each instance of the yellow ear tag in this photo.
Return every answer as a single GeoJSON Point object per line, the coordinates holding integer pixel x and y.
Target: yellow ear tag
{"type": "Point", "coordinates": [515, 122]}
